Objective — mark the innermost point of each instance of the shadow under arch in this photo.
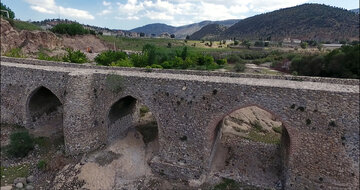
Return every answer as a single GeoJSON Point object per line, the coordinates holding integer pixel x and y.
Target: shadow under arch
{"type": "Point", "coordinates": [44, 112]}
{"type": "Point", "coordinates": [125, 114]}
{"type": "Point", "coordinates": [214, 135]}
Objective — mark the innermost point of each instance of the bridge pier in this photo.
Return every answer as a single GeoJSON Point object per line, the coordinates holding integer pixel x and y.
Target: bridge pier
{"type": "Point", "coordinates": [82, 133]}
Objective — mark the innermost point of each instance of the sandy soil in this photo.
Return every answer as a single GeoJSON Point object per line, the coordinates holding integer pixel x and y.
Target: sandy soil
{"type": "Point", "coordinates": [131, 164]}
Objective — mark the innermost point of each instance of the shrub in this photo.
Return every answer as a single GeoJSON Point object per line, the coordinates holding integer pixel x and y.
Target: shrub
{"type": "Point", "coordinates": [108, 57]}
{"type": "Point", "coordinates": [44, 56]}
{"type": "Point", "coordinates": [239, 67]}
{"type": "Point", "coordinates": [123, 63]}
{"type": "Point", "coordinates": [20, 144]}
{"type": "Point", "coordinates": [71, 29]}
{"type": "Point", "coordinates": [221, 61]}
{"type": "Point", "coordinates": [75, 56]}
{"type": "Point", "coordinates": [143, 110]}
{"type": "Point", "coordinates": [41, 165]}
{"type": "Point", "coordinates": [139, 60]}
{"type": "Point", "coordinates": [15, 52]}
{"type": "Point", "coordinates": [156, 66]}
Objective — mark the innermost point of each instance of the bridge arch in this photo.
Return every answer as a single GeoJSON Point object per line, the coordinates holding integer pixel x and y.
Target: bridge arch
{"type": "Point", "coordinates": [125, 114]}
{"type": "Point", "coordinates": [44, 112]}
{"type": "Point", "coordinates": [281, 151]}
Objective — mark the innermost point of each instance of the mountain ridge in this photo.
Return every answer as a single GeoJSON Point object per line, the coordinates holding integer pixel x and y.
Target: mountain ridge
{"type": "Point", "coordinates": [180, 31]}
{"type": "Point", "coordinates": [305, 22]}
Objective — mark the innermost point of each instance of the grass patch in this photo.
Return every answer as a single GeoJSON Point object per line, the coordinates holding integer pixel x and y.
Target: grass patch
{"type": "Point", "coordinates": [22, 25]}
{"type": "Point", "coordinates": [41, 165]}
{"type": "Point", "coordinates": [277, 129]}
{"type": "Point", "coordinates": [9, 174]}
{"type": "Point", "coordinates": [269, 138]}
{"type": "Point", "coordinates": [149, 131]}
{"type": "Point", "coordinates": [143, 110]}
{"type": "Point", "coordinates": [229, 184]}
{"type": "Point", "coordinates": [15, 52]}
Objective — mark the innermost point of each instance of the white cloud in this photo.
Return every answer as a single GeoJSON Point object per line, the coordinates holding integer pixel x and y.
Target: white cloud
{"type": "Point", "coordinates": [105, 12]}
{"type": "Point", "coordinates": [50, 7]}
{"type": "Point", "coordinates": [105, 3]}
{"type": "Point", "coordinates": [189, 11]}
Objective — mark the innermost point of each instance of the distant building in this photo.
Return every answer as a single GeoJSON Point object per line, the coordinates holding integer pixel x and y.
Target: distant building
{"type": "Point", "coordinates": [164, 35]}
{"type": "Point", "coordinates": [296, 41]}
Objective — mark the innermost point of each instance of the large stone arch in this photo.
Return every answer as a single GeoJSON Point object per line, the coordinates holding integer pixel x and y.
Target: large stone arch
{"type": "Point", "coordinates": [44, 111]}
{"type": "Point", "coordinates": [213, 133]}
{"type": "Point", "coordinates": [127, 108]}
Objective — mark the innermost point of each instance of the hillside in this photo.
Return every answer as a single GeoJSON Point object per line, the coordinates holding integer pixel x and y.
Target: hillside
{"type": "Point", "coordinates": [181, 31]}
{"type": "Point", "coordinates": [208, 32]}
{"type": "Point", "coordinates": [156, 28]}
{"type": "Point", "coordinates": [307, 21]}
{"type": "Point", "coordinates": [355, 10]}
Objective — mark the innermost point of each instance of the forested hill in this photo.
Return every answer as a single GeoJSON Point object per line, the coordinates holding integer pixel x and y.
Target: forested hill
{"type": "Point", "coordinates": [307, 21]}
{"type": "Point", "coordinates": [156, 28]}
{"type": "Point", "coordinates": [210, 31]}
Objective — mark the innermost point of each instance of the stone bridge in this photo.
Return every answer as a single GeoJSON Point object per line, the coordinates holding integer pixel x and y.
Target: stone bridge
{"type": "Point", "coordinates": [321, 115]}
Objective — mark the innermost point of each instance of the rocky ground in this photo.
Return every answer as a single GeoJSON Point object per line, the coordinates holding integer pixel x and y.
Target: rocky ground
{"type": "Point", "coordinates": [32, 42]}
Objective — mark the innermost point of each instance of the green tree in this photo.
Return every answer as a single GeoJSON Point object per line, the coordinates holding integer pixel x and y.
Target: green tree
{"type": "Point", "coordinates": [4, 7]}
{"type": "Point", "coordinates": [304, 45]}
{"type": "Point", "coordinates": [246, 43]}
{"type": "Point", "coordinates": [184, 53]}
{"type": "Point", "coordinates": [70, 29]}
{"type": "Point", "coordinates": [108, 57]}
{"type": "Point", "coordinates": [150, 51]}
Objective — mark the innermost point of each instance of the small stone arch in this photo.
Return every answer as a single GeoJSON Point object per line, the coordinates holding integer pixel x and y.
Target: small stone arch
{"type": "Point", "coordinates": [44, 112]}
{"type": "Point", "coordinates": [214, 133]}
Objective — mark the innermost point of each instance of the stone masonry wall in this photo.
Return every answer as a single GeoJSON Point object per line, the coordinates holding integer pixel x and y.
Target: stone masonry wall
{"type": "Point", "coordinates": [321, 118]}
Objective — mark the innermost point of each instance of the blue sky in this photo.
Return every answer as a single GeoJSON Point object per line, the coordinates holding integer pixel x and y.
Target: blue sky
{"type": "Point", "coordinates": [128, 14]}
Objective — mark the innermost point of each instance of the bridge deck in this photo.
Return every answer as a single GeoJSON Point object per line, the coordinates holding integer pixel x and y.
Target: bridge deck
{"type": "Point", "coordinates": [304, 85]}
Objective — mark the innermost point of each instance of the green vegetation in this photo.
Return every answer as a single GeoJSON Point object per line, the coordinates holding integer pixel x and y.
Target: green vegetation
{"type": "Point", "coordinates": [137, 44]}
{"type": "Point", "coordinates": [144, 110]}
{"type": "Point", "coordinates": [15, 52]}
{"type": "Point", "coordinates": [277, 129]}
{"type": "Point", "coordinates": [310, 21]}
{"type": "Point", "coordinates": [71, 29]}
{"type": "Point", "coordinates": [4, 7]}
{"type": "Point", "coordinates": [71, 56]}
{"type": "Point", "coordinates": [149, 131]}
{"type": "Point", "coordinates": [75, 56]}
{"type": "Point", "coordinates": [108, 57]}
{"type": "Point", "coordinates": [20, 144]}
{"type": "Point", "coordinates": [22, 25]}
{"type": "Point", "coordinates": [41, 165]}
{"type": "Point", "coordinates": [339, 63]}
{"type": "Point", "coordinates": [157, 57]}
{"type": "Point", "coordinates": [9, 174]}
{"type": "Point", "coordinates": [269, 138]}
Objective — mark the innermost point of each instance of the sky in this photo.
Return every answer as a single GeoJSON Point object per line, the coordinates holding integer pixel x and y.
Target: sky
{"type": "Point", "coordinates": [129, 14]}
